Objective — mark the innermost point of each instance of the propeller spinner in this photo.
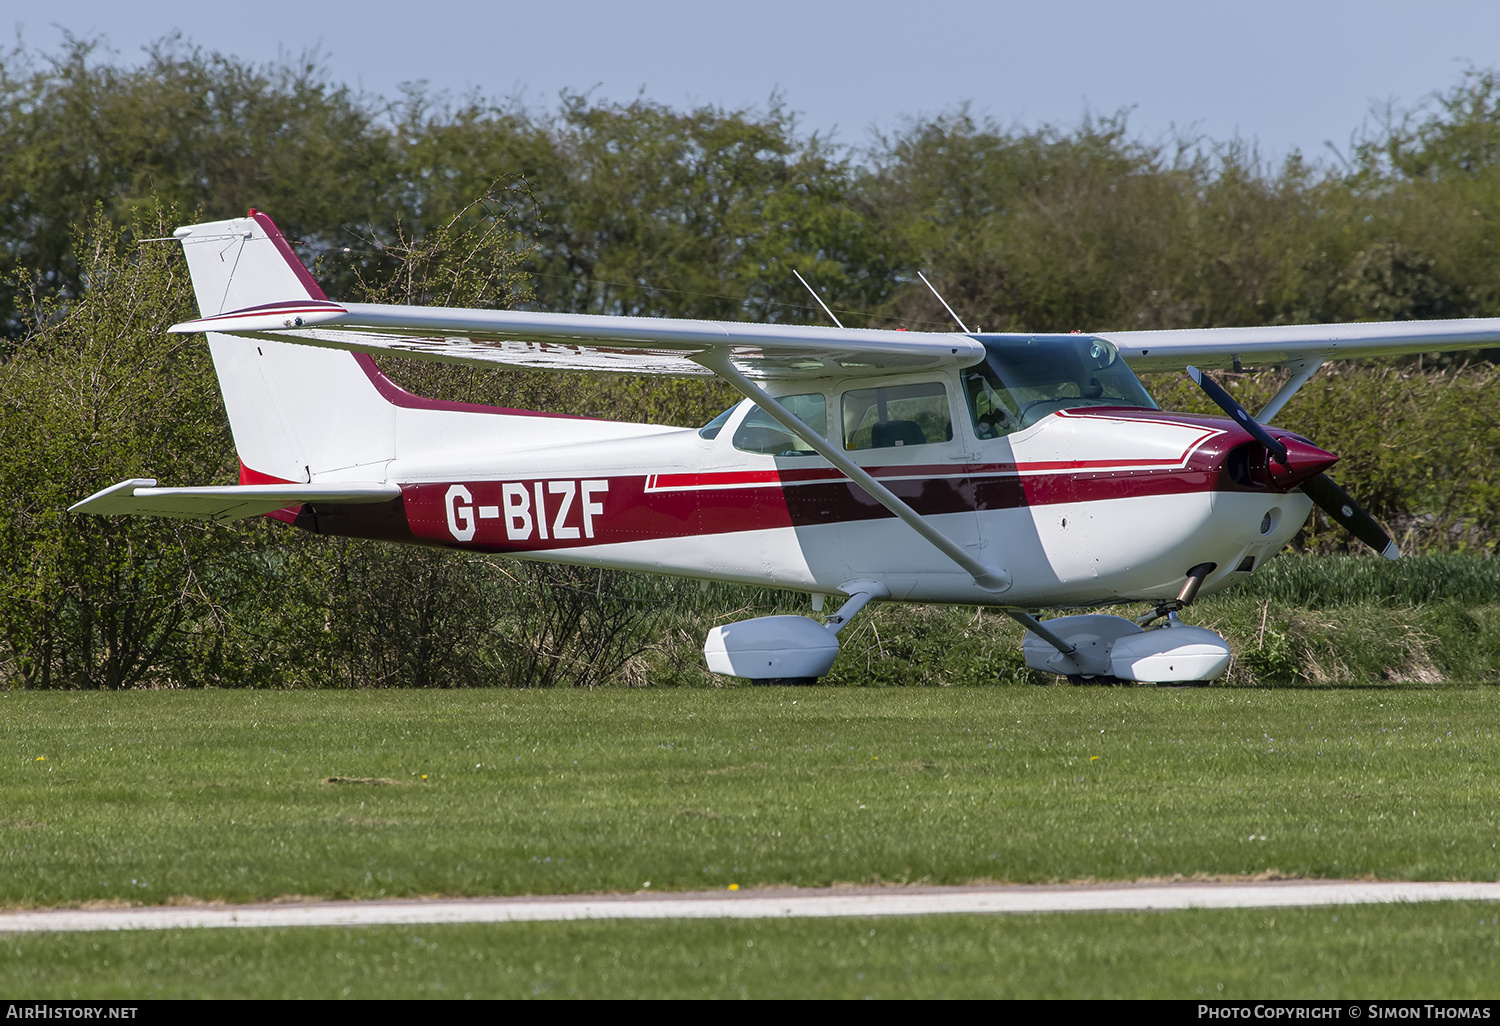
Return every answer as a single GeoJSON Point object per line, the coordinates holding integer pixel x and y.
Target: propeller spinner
{"type": "Point", "coordinates": [1319, 487]}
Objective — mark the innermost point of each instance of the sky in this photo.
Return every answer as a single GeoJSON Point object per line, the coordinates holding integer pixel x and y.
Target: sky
{"type": "Point", "coordinates": [1287, 75]}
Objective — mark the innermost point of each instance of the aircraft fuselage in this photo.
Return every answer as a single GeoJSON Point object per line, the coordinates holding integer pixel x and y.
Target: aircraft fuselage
{"type": "Point", "coordinates": [1083, 506]}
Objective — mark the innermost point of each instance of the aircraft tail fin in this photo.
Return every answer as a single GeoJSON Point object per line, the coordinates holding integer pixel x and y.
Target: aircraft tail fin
{"type": "Point", "coordinates": [296, 411]}
{"type": "Point", "coordinates": [301, 413]}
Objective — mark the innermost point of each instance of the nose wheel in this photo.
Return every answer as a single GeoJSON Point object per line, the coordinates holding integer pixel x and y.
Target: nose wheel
{"type": "Point", "coordinates": [1099, 649]}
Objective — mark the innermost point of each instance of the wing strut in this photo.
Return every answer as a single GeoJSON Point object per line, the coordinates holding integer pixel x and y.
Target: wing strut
{"type": "Point", "coordinates": [995, 579]}
{"type": "Point", "coordinates": [1301, 371]}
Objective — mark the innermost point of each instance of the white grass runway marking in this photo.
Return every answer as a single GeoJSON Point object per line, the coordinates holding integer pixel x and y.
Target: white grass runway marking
{"type": "Point", "coordinates": [786, 904]}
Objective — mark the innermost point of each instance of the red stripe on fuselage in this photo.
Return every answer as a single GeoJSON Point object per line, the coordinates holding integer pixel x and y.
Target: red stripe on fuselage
{"type": "Point", "coordinates": [634, 512]}
{"type": "Point", "coordinates": [793, 478]}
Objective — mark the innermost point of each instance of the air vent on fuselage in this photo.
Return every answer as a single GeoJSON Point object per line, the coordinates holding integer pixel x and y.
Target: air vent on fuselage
{"type": "Point", "coordinates": [1246, 466]}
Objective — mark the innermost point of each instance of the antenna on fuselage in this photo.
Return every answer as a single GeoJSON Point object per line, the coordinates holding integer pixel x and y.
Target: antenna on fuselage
{"type": "Point", "coordinates": [819, 298]}
{"type": "Point", "coordinates": [940, 299]}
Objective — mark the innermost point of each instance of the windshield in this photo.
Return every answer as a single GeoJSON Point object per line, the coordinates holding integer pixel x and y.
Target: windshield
{"type": "Point", "coordinates": [1024, 379]}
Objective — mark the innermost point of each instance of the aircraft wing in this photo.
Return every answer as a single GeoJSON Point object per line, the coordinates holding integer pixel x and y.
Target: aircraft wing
{"type": "Point", "coordinates": [1222, 347]}
{"type": "Point", "coordinates": [641, 345]}
{"type": "Point", "coordinates": [666, 346]}
{"type": "Point", "coordinates": [229, 502]}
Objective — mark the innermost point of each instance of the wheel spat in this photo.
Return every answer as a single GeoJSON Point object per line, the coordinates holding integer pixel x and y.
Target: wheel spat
{"type": "Point", "coordinates": [1320, 488]}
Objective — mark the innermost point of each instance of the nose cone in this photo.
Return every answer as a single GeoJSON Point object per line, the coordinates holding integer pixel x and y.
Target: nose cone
{"type": "Point", "coordinates": [1303, 460]}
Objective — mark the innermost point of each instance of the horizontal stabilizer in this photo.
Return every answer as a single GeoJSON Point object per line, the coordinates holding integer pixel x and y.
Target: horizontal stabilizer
{"type": "Point", "coordinates": [139, 495]}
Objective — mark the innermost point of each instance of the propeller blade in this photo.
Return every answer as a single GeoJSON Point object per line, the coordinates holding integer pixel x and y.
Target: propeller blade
{"type": "Point", "coordinates": [1340, 506]}
{"type": "Point", "coordinates": [1227, 403]}
{"type": "Point", "coordinates": [1333, 500]}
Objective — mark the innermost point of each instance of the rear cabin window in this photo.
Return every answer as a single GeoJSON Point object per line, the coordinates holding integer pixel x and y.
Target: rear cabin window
{"type": "Point", "coordinates": [760, 434]}
{"type": "Point", "coordinates": [713, 427]}
{"type": "Point", "coordinates": [897, 416]}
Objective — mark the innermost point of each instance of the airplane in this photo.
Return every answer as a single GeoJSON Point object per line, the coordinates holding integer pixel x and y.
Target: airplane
{"type": "Point", "coordinates": [1021, 471]}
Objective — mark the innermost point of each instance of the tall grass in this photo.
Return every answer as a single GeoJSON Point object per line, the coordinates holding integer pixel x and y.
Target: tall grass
{"type": "Point", "coordinates": [1319, 620]}
{"type": "Point", "coordinates": [1323, 582]}
{"type": "Point", "coordinates": [1310, 582]}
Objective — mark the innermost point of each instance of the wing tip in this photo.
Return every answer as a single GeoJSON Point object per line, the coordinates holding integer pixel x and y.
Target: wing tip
{"type": "Point", "coordinates": [288, 315]}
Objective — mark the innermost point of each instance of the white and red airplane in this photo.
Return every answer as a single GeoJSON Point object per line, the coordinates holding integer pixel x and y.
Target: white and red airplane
{"type": "Point", "coordinates": [1009, 470]}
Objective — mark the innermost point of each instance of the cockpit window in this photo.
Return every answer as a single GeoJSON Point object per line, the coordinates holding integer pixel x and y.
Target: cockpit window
{"type": "Point", "coordinates": [1024, 379]}
{"type": "Point", "coordinates": [759, 433]}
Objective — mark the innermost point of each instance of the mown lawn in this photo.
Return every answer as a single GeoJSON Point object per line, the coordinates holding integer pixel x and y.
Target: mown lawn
{"type": "Point", "coordinates": [157, 796]}
{"type": "Point", "coordinates": [1421, 951]}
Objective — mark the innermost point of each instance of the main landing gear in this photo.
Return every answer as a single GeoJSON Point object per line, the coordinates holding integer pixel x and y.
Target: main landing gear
{"type": "Point", "coordinates": [1090, 648]}
{"type": "Point", "coordinates": [1099, 649]}
{"type": "Point", "coordinates": [785, 649]}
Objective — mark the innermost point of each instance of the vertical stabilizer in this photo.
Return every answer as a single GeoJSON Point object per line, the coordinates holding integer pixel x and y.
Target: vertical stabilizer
{"type": "Point", "coordinates": [296, 411]}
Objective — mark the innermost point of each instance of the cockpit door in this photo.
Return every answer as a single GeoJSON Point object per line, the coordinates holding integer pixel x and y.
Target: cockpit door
{"type": "Point", "coordinates": [912, 437]}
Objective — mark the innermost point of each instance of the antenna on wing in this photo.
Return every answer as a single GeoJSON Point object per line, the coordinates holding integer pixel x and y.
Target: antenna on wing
{"type": "Point", "coordinates": [940, 299]}
{"type": "Point", "coordinates": [819, 298]}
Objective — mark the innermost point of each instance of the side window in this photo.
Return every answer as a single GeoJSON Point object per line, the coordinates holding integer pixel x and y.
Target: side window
{"type": "Point", "coordinates": [713, 427]}
{"type": "Point", "coordinates": [990, 403]}
{"type": "Point", "coordinates": [901, 415]}
{"type": "Point", "coordinates": [759, 433]}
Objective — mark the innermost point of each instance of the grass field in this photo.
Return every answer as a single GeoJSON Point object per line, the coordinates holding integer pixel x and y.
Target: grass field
{"type": "Point", "coordinates": [155, 797]}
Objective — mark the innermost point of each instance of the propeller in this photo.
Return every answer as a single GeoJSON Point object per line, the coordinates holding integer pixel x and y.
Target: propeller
{"type": "Point", "coordinates": [1319, 487]}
